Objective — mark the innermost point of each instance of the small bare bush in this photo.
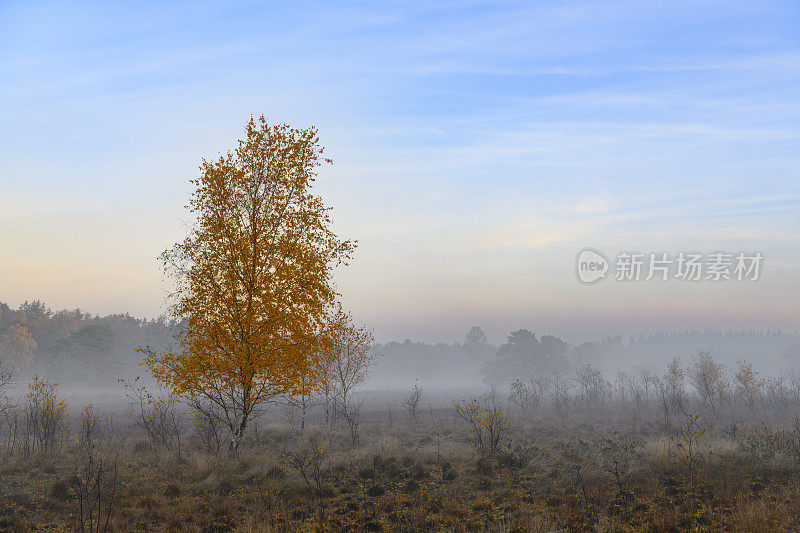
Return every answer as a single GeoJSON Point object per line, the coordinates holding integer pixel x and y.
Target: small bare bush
{"type": "Point", "coordinates": [486, 422]}
{"type": "Point", "coordinates": [157, 416]}
{"type": "Point", "coordinates": [412, 402]}
{"type": "Point", "coordinates": [307, 458]}
{"type": "Point", "coordinates": [689, 454]}
{"type": "Point", "coordinates": [619, 456]}
{"type": "Point", "coordinates": [46, 419]}
{"type": "Point", "coordinates": [95, 487]}
{"type": "Point", "coordinates": [94, 426]}
{"type": "Point", "coordinates": [208, 428]}
{"type": "Point", "coordinates": [760, 445]}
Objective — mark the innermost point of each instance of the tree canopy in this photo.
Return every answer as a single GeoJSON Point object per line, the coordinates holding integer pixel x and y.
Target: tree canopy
{"type": "Point", "coordinates": [254, 275]}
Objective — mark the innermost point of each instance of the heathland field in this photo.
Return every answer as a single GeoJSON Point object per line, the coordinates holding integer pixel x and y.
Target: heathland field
{"type": "Point", "coordinates": [694, 448]}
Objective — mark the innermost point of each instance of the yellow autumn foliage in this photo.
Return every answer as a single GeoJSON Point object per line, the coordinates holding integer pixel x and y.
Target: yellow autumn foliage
{"type": "Point", "coordinates": [253, 276]}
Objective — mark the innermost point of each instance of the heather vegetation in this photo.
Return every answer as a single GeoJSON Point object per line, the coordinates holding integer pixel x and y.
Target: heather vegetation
{"type": "Point", "coordinates": [697, 445]}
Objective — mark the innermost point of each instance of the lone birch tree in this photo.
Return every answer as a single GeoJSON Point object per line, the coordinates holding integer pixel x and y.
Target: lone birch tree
{"type": "Point", "coordinates": [253, 277]}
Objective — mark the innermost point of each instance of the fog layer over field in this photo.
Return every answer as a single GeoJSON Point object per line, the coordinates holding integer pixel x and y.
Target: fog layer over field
{"type": "Point", "coordinates": [87, 354]}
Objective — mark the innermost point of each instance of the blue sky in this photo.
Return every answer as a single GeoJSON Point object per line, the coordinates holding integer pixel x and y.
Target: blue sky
{"type": "Point", "coordinates": [477, 146]}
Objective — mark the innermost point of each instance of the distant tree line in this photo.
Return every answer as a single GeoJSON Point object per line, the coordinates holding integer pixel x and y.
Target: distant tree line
{"type": "Point", "coordinates": [525, 356]}
{"type": "Point", "coordinates": [73, 346]}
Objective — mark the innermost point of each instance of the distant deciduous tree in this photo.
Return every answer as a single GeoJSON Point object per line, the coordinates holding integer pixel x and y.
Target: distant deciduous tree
{"type": "Point", "coordinates": [709, 380]}
{"type": "Point", "coordinates": [592, 385]}
{"type": "Point", "coordinates": [16, 348]}
{"type": "Point", "coordinates": [476, 342]}
{"type": "Point", "coordinates": [748, 384]}
{"type": "Point", "coordinates": [86, 352]}
{"type": "Point", "coordinates": [348, 360]}
{"type": "Point", "coordinates": [254, 276]}
{"type": "Point", "coordinates": [523, 356]}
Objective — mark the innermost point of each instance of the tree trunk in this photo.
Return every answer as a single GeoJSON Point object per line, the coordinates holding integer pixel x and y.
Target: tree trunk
{"type": "Point", "coordinates": [303, 420]}
{"type": "Point", "coordinates": [233, 448]}
{"type": "Point", "coordinates": [236, 439]}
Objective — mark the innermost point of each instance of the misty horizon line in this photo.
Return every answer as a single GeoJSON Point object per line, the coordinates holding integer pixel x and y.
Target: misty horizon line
{"type": "Point", "coordinates": [658, 333]}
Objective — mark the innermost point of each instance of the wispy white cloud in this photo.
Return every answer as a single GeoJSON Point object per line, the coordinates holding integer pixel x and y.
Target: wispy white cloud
{"type": "Point", "coordinates": [593, 204]}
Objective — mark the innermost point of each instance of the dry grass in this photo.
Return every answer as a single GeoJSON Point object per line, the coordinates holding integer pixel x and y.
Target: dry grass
{"type": "Point", "coordinates": [420, 477]}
